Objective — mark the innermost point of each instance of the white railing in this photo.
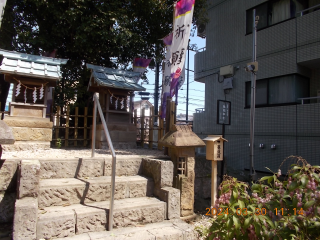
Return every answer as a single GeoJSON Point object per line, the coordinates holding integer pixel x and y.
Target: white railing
{"type": "Point", "coordinates": [305, 10]}
{"type": "Point", "coordinates": [302, 99]}
{"type": "Point", "coordinates": [113, 173]}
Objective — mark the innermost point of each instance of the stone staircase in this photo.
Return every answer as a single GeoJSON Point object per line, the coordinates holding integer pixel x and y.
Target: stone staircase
{"type": "Point", "coordinates": [69, 199]}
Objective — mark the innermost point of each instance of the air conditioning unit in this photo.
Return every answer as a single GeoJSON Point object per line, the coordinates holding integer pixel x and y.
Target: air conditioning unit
{"type": "Point", "coordinates": [201, 30]}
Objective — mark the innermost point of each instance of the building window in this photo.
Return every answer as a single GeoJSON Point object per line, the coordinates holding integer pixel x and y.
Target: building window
{"type": "Point", "coordinates": [283, 90]}
{"type": "Point", "coordinates": [275, 11]}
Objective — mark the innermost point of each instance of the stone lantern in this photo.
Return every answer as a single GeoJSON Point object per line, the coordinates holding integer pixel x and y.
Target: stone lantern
{"type": "Point", "coordinates": [182, 142]}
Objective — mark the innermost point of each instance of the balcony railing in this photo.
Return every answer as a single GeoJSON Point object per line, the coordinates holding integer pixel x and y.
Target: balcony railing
{"type": "Point", "coordinates": [301, 13]}
{"type": "Point", "coordinates": [200, 110]}
{"type": "Point", "coordinates": [309, 98]}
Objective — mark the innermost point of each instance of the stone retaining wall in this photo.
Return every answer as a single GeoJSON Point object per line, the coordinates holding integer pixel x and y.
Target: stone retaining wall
{"type": "Point", "coordinates": [8, 185]}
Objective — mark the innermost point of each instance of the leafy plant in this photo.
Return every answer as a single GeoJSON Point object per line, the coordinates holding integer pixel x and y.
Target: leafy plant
{"type": "Point", "coordinates": [59, 143]}
{"type": "Point", "coordinates": [272, 208]}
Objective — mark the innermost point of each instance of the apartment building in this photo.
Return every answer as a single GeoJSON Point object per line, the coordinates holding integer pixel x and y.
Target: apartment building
{"type": "Point", "coordinates": [288, 56]}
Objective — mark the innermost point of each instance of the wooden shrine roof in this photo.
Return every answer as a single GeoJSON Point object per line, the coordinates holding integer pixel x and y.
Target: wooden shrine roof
{"type": "Point", "coordinates": [113, 78]}
{"type": "Point", "coordinates": [27, 65]}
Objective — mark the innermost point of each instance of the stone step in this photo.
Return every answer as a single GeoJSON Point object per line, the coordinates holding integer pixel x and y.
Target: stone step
{"type": "Point", "coordinates": [168, 229]}
{"type": "Point", "coordinates": [89, 167]}
{"type": "Point", "coordinates": [77, 219]}
{"type": "Point", "coordinates": [68, 191]}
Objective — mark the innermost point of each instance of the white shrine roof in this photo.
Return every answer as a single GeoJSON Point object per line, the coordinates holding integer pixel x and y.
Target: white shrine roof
{"type": "Point", "coordinates": [31, 65]}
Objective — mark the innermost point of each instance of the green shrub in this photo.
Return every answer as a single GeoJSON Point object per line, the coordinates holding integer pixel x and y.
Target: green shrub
{"type": "Point", "coordinates": [271, 208]}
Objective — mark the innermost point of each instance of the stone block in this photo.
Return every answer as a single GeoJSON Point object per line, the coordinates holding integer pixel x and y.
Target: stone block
{"type": "Point", "coordinates": [28, 122]}
{"type": "Point", "coordinates": [32, 134]}
{"type": "Point", "coordinates": [26, 145]}
{"type": "Point", "coordinates": [91, 167]}
{"type": "Point", "coordinates": [160, 170]}
{"type": "Point", "coordinates": [25, 219]}
{"type": "Point", "coordinates": [140, 189]}
{"type": "Point", "coordinates": [117, 127]}
{"type": "Point", "coordinates": [127, 136]}
{"type": "Point", "coordinates": [90, 220]}
{"type": "Point", "coordinates": [8, 170]}
{"type": "Point", "coordinates": [58, 168]}
{"type": "Point", "coordinates": [117, 145]}
{"type": "Point", "coordinates": [133, 216]}
{"type": "Point", "coordinates": [7, 201]}
{"type": "Point", "coordinates": [100, 190]}
{"type": "Point", "coordinates": [6, 134]}
{"type": "Point", "coordinates": [171, 196]}
{"type": "Point", "coordinates": [59, 192]}
{"type": "Point", "coordinates": [124, 166]}
{"type": "Point", "coordinates": [167, 233]}
{"type": "Point", "coordinates": [56, 225]}
{"type": "Point", "coordinates": [187, 197]}
{"type": "Point", "coordinates": [29, 178]}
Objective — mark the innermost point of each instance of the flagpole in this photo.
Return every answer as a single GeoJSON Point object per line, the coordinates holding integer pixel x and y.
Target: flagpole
{"type": "Point", "coordinates": [187, 107]}
{"type": "Point", "coordinates": [253, 98]}
{"type": "Point", "coordinates": [156, 89]}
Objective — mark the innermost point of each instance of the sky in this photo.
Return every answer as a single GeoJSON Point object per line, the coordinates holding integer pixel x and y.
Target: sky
{"type": "Point", "coordinates": [196, 89]}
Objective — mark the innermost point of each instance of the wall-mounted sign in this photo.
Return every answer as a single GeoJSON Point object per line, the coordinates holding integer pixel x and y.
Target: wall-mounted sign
{"type": "Point", "coordinates": [224, 112]}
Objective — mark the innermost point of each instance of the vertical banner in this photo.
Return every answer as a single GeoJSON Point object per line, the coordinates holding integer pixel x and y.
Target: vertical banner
{"type": "Point", "coordinates": [166, 77]}
{"type": "Point", "coordinates": [181, 33]}
{"type": "Point", "coordinates": [140, 65]}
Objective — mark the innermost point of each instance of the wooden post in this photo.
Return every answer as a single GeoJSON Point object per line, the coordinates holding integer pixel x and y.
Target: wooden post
{"type": "Point", "coordinates": [168, 115]}
{"type": "Point", "coordinates": [151, 127]}
{"type": "Point", "coordinates": [142, 126]}
{"type": "Point", "coordinates": [135, 117]}
{"type": "Point", "coordinates": [172, 115]}
{"type": "Point", "coordinates": [57, 123]}
{"type": "Point", "coordinates": [76, 127]}
{"type": "Point", "coordinates": [160, 130]}
{"type": "Point", "coordinates": [67, 127]}
{"type": "Point", "coordinates": [51, 108]}
{"type": "Point", "coordinates": [85, 124]}
{"type": "Point", "coordinates": [213, 182]}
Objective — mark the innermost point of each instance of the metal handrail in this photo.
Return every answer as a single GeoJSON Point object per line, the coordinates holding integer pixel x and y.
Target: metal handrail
{"type": "Point", "coordinates": [113, 173]}
{"type": "Point", "coordinates": [305, 10]}
{"type": "Point", "coordinates": [308, 98]}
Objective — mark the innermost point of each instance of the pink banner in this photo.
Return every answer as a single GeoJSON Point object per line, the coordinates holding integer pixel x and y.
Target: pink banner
{"type": "Point", "coordinates": [181, 33]}
{"type": "Point", "coordinates": [140, 64]}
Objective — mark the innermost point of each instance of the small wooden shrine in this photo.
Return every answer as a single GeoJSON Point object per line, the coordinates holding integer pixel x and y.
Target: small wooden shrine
{"type": "Point", "coordinates": [116, 91]}
{"type": "Point", "coordinates": [32, 76]}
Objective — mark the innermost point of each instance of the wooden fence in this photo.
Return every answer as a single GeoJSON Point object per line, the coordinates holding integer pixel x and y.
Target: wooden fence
{"type": "Point", "coordinates": [66, 128]}
{"type": "Point", "coordinates": [146, 128]}
{"type": "Point", "coordinates": [68, 132]}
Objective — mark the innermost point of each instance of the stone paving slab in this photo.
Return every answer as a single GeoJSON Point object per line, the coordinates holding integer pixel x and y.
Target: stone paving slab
{"type": "Point", "coordinates": [155, 231]}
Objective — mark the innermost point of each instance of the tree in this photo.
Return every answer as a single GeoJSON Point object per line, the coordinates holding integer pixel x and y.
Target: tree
{"type": "Point", "coordinates": [107, 33]}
